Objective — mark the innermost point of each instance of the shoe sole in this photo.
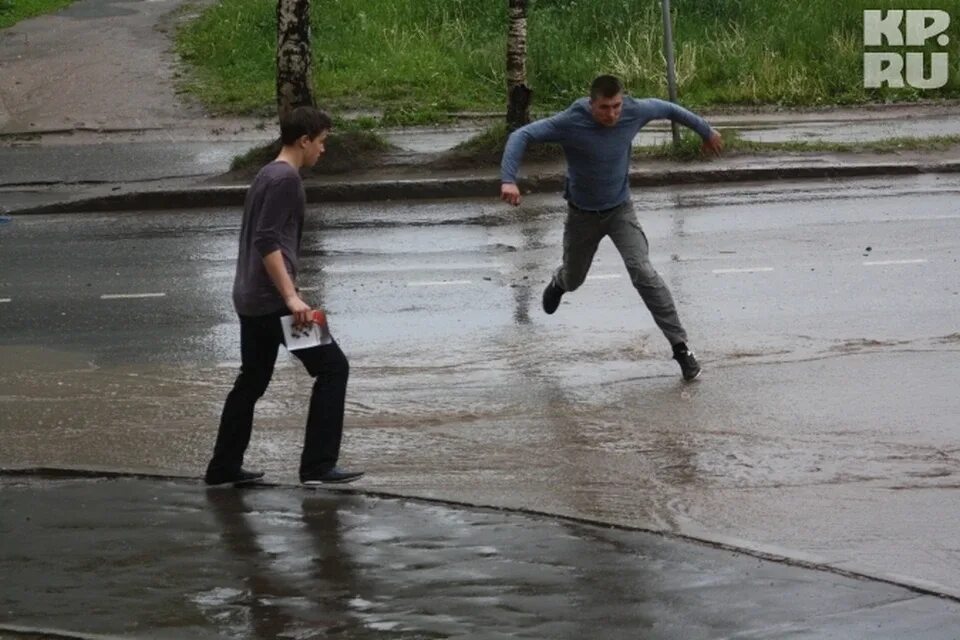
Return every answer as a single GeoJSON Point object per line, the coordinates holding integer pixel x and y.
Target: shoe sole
{"type": "Point", "coordinates": [234, 483]}
{"type": "Point", "coordinates": [320, 483]}
{"type": "Point", "coordinates": [695, 376]}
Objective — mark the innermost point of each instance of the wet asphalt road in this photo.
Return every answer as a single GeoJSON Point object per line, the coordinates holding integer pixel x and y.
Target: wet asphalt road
{"type": "Point", "coordinates": [824, 427]}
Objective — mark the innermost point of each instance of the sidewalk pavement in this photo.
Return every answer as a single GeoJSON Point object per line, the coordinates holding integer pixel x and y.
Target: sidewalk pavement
{"type": "Point", "coordinates": [86, 170]}
{"type": "Point", "coordinates": [151, 557]}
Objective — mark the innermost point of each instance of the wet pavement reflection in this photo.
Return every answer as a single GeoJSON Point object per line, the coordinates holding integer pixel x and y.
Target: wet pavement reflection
{"type": "Point", "coordinates": [170, 559]}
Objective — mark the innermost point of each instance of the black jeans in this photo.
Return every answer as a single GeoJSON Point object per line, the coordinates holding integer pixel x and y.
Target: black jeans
{"type": "Point", "coordinates": [260, 339]}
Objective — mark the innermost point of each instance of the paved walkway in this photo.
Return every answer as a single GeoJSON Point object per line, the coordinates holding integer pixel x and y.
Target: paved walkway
{"type": "Point", "coordinates": [161, 558]}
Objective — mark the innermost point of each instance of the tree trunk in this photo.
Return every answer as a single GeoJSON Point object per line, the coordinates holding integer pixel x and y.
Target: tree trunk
{"type": "Point", "coordinates": [518, 94]}
{"type": "Point", "coordinates": [293, 56]}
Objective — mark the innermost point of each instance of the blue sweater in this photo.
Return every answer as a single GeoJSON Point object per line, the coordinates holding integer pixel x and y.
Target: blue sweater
{"type": "Point", "coordinates": [598, 157]}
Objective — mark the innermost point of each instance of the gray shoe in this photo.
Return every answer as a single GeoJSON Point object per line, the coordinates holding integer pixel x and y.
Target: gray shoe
{"type": "Point", "coordinates": [688, 364]}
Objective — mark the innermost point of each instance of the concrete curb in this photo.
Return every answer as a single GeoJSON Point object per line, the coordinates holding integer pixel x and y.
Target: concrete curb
{"type": "Point", "coordinates": [54, 634]}
{"type": "Point", "coordinates": [438, 188]}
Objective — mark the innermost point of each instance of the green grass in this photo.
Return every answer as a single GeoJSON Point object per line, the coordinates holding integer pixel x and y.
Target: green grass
{"type": "Point", "coordinates": [419, 60]}
{"type": "Point", "coordinates": [13, 11]}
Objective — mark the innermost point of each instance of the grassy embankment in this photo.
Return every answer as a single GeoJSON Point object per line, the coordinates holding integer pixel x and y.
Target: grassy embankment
{"type": "Point", "coordinates": [418, 61]}
{"type": "Point", "coordinates": [487, 148]}
{"type": "Point", "coordinates": [13, 11]}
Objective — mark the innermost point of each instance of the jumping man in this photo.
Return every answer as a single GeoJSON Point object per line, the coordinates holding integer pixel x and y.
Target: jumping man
{"type": "Point", "coordinates": [596, 135]}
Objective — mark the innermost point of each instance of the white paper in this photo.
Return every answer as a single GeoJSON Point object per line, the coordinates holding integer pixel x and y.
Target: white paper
{"type": "Point", "coordinates": [303, 337]}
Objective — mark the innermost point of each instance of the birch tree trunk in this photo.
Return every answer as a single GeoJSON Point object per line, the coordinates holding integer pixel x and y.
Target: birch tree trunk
{"type": "Point", "coordinates": [518, 94]}
{"type": "Point", "coordinates": [293, 56]}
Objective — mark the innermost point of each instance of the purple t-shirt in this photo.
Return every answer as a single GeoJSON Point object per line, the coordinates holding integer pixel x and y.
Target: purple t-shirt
{"type": "Point", "coordinates": [272, 219]}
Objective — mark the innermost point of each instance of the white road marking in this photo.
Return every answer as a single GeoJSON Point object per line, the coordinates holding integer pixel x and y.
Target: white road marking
{"type": "Point", "coordinates": [882, 263]}
{"type": "Point", "coordinates": [750, 270]}
{"type": "Point", "coordinates": [130, 296]}
{"type": "Point", "coordinates": [443, 283]}
{"type": "Point", "coordinates": [606, 276]}
{"type": "Point", "coordinates": [414, 267]}
{"type": "Point", "coordinates": [6, 300]}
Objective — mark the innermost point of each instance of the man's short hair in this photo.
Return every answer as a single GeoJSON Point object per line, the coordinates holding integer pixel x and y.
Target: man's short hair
{"type": "Point", "coordinates": [303, 121]}
{"type": "Point", "coordinates": [605, 87]}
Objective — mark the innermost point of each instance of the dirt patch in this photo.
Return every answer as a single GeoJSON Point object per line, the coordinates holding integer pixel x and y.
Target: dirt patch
{"type": "Point", "coordinates": [459, 159]}
{"type": "Point", "coordinates": [346, 152]}
{"type": "Point", "coordinates": [486, 150]}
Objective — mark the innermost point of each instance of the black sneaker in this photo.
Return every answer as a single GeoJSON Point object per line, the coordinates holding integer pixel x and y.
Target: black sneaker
{"type": "Point", "coordinates": [551, 297]}
{"type": "Point", "coordinates": [333, 476]}
{"type": "Point", "coordinates": [688, 363]}
{"type": "Point", "coordinates": [242, 476]}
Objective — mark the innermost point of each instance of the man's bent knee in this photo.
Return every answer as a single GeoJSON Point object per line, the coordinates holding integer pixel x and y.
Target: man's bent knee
{"type": "Point", "coordinates": [252, 386]}
{"type": "Point", "coordinates": [333, 367]}
{"type": "Point", "coordinates": [342, 366]}
{"type": "Point", "coordinates": [644, 276]}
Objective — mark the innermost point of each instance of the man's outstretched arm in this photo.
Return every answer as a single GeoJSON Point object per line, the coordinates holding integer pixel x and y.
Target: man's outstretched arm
{"type": "Point", "coordinates": [661, 109]}
{"type": "Point", "coordinates": [546, 130]}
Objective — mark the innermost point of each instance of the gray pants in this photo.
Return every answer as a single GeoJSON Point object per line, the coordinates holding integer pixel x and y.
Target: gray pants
{"type": "Point", "coordinates": [582, 234]}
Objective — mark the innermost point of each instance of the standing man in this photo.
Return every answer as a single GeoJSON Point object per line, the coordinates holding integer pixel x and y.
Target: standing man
{"type": "Point", "coordinates": [263, 291]}
{"type": "Point", "coordinates": [597, 139]}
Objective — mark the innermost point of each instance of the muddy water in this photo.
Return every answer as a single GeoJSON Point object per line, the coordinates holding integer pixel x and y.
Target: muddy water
{"type": "Point", "coordinates": [749, 455]}
{"type": "Point", "coordinates": [824, 425]}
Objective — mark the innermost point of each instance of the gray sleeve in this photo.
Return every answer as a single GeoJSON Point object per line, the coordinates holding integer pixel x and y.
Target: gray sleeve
{"type": "Point", "coordinates": [279, 202]}
{"type": "Point", "coordinates": [546, 130]}
{"type": "Point", "coordinates": [655, 109]}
